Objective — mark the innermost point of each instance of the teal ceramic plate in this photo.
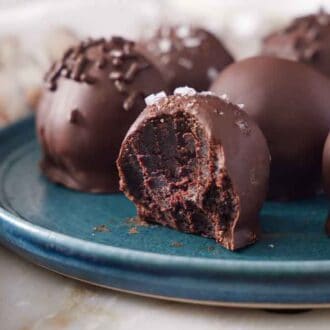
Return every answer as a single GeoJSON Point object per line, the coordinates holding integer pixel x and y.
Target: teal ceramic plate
{"type": "Point", "coordinates": [94, 238]}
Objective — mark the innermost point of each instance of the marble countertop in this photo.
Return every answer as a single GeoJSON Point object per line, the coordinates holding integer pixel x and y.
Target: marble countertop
{"type": "Point", "coordinates": [32, 298]}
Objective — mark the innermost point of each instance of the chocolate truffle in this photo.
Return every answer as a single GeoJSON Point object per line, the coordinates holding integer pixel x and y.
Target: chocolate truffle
{"type": "Point", "coordinates": [186, 55]}
{"type": "Point", "coordinates": [290, 103]}
{"type": "Point", "coordinates": [198, 164]}
{"type": "Point", "coordinates": [306, 39]}
{"type": "Point", "coordinates": [91, 97]}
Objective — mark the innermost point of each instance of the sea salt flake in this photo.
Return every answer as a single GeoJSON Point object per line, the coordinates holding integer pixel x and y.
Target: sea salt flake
{"type": "Point", "coordinates": [224, 97]}
{"type": "Point", "coordinates": [183, 31]}
{"type": "Point", "coordinates": [164, 45]}
{"type": "Point", "coordinates": [218, 112]}
{"type": "Point", "coordinates": [207, 93]}
{"type": "Point", "coordinates": [212, 73]}
{"type": "Point", "coordinates": [191, 42]}
{"type": "Point", "coordinates": [243, 126]}
{"type": "Point", "coordinates": [185, 91]}
{"type": "Point", "coordinates": [185, 63]}
{"type": "Point", "coordinates": [116, 53]}
{"type": "Point", "coordinates": [154, 98]}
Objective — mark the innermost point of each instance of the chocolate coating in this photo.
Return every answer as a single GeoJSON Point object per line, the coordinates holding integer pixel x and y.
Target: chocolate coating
{"type": "Point", "coordinates": [91, 97]}
{"type": "Point", "coordinates": [187, 56]}
{"type": "Point", "coordinates": [197, 164]}
{"type": "Point", "coordinates": [306, 39]}
{"type": "Point", "coordinates": [290, 103]}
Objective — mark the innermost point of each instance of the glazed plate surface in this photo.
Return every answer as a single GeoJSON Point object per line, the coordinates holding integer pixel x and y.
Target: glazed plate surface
{"type": "Point", "coordinates": [95, 238]}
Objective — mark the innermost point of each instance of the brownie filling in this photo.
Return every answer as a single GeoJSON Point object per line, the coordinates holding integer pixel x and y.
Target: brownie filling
{"type": "Point", "coordinates": [178, 178]}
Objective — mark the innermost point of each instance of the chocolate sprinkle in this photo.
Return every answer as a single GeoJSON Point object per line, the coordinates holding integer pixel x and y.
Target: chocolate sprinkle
{"type": "Point", "coordinates": [79, 67]}
{"type": "Point", "coordinates": [84, 77]}
{"type": "Point", "coordinates": [120, 86]}
{"type": "Point", "coordinates": [130, 100]}
{"type": "Point", "coordinates": [101, 63]}
{"type": "Point", "coordinates": [115, 75]}
{"type": "Point", "coordinates": [74, 116]}
{"type": "Point", "coordinates": [131, 72]}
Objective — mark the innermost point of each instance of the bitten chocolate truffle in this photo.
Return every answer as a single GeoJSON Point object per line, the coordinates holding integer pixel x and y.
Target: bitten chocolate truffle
{"type": "Point", "coordinates": [198, 164]}
{"type": "Point", "coordinates": [306, 39]}
{"type": "Point", "coordinates": [290, 103]}
{"type": "Point", "coordinates": [187, 56]}
{"type": "Point", "coordinates": [91, 97]}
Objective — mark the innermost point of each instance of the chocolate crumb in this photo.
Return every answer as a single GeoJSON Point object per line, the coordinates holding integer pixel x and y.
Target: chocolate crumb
{"type": "Point", "coordinates": [176, 244]}
{"type": "Point", "coordinates": [101, 229]}
{"type": "Point", "coordinates": [137, 222]}
{"type": "Point", "coordinates": [133, 231]}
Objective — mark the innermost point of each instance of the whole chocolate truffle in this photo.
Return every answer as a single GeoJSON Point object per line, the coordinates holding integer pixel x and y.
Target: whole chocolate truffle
{"type": "Point", "coordinates": [186, 55]}
{"type": "Point", "coordinates": [306, 39]}
{"type": "Point", "coordinates": [196, 163]}
{"type": "Point", "coordinates": [290, 103]}
{"type": "Point", "coordinates": [91, 97]}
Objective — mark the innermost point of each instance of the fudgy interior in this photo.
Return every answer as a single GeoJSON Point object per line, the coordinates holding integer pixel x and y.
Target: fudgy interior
{"type": "Point", "coordinates": [177, 177]}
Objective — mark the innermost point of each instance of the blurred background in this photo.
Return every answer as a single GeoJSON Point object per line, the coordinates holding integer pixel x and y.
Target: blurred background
{"type": "Point", "coordinates": [33, 33]}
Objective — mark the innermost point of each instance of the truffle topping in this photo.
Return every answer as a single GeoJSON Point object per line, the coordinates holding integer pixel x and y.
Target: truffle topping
{"type": "Point", "coordinates": [78, 61]}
